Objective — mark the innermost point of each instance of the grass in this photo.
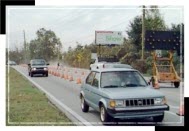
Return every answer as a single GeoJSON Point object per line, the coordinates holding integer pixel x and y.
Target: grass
{"type": "Point", "coordinates": [29, 106]}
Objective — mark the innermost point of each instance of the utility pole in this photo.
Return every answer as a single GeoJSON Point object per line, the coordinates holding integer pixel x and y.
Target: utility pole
{"type": "Point", "coordinates": [25, 51]}
{"type": "Point", "coordinates": [143, 30]}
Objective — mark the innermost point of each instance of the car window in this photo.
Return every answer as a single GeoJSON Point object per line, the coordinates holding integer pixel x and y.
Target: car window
{"type": "Point", "coordinates": [90, 78]}
{"type": "Point", "coordinates": [117, 79]}
{"type": "Point", "coordinates": [96, 80]}
{"type": "Point", "coordinates": [38, 62]}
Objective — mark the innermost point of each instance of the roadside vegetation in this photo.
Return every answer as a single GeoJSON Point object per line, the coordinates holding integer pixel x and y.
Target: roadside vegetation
{"type": "Point", "coordinates": [48, 46]}
{"type": "Point", "coordinates": [28, 105]}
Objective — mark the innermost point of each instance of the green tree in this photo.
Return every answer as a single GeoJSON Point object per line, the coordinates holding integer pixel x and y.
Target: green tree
{"type": "Point", "coordinates": [47, 45]}
{"type": "Point", "coordinates": [153, 21]}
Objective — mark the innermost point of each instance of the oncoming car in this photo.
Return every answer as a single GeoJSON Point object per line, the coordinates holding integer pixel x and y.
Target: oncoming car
{"type": "Point", "coordinates": [11, 63]}
{"type": "Point", "coordinates": [121, 93]}
{"type": "Point", "coordinates": [38, 66]}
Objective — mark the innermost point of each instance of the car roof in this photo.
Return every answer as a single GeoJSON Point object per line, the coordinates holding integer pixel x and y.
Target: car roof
{"type": "Point", "coordinates": [113, 69]}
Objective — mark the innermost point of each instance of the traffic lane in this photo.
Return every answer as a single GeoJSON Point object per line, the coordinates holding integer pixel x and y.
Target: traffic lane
{"type": "Point", "coordinates": [68, 93]}
{"type": "Point", "coordinates": [174, 96]}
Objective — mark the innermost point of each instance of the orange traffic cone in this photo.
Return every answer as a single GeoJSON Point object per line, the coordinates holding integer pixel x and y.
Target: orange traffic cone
{"type": "Point", "coordinates": [181, 110]}
{"type": "Point", "coordinates": [62, 75]}
{"type": "Point", "coordinates": [58, 74]}
{"type": "Point", "coordinates": [71, 78]}
{"type": "Point", "coordinates": [78, 80]}
{"type": "Point", "coordinates": [156, 85]}
{"type": "Point", "coordinates": [66, 76]}
{"type": "Point", "coordinates": [53, 73]}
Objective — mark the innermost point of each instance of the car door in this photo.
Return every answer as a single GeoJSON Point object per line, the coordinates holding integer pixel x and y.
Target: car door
{"type": "Point", "coordinates": [87, 88]}
{"type": "Point", "coordinates": [94, 88]}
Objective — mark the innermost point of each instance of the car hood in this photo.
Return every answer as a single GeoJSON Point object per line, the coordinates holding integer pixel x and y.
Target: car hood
{"type": "Point", "coordinates": [126, 93]}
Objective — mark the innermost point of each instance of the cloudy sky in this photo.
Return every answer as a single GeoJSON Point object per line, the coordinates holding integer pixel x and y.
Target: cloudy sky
{"type": "Point", "coordinates": [75, 24]}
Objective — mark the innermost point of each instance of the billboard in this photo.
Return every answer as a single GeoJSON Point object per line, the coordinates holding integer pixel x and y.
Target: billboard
{"type": "Point", "coordinates": [108, 37]}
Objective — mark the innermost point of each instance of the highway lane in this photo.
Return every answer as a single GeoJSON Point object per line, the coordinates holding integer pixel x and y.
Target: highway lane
{"type": "Point", "coordinates": [68, 93]}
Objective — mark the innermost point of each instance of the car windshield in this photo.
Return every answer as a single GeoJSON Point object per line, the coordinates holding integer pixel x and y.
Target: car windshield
{"type": "Point", "coordinates": [38, 62]}
{"type": "Point", "coordinates": [122, 79]}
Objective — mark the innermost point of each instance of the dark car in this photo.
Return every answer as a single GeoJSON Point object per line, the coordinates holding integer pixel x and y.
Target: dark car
{"type": "Point", "coordinates": [38, 66]}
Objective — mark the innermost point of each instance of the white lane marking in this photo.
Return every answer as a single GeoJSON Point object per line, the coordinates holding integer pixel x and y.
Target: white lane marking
{"type": "Point", "coordinates": [81, 119]}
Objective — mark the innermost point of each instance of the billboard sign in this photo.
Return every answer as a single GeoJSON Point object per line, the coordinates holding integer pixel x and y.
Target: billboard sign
{"type": "Point", "coordinates": [108, 37]}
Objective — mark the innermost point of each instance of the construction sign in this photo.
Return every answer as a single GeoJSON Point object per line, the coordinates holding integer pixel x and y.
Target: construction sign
{"type": "Point", "coordinates": [79, 57]}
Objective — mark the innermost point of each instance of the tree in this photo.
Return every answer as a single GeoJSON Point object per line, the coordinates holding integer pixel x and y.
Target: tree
{"type": "Point", "coordinates": [47, 45]}
{"type": "Point", "coordinates": [153, 21]}
{"type": "Point", "coordinates": [15, 55]}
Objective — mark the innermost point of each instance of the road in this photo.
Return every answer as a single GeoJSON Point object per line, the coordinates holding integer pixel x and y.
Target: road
{"type": "Point", "coordinates": [65, 94]}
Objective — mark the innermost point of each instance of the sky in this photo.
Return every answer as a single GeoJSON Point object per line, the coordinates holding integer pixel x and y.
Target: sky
{"type": "Point", "coordinates": [75, 24]}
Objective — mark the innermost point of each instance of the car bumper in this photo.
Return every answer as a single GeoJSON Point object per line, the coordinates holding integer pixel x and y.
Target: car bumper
{"type": "Point", "coordinates": [39, 71]}
{"type": "Point", "coordinates": [137, 112]}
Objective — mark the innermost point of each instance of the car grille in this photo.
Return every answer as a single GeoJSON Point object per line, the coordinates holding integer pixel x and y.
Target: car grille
{"type": "Point", "coordinates": [139, 102]}
{"type": "Point", "coordinates": [40, 68]}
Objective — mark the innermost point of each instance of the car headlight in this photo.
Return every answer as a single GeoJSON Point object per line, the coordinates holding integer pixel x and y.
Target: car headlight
{"type": "Point", "coordinates": [112, 103]}
{"type": "Point", "coordinates": [45, 68]}
{"type": "Point", "coordinates": [159, 101]}
{"type": "Point", "coordinates": [33, 69]}
{"type": "Point", "coordinates": [120, 103]}
{"type": "Point", "coordinates": [116, 103]}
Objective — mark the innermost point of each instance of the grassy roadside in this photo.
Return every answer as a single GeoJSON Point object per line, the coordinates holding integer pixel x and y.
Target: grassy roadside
{"type": "Point", "coordinates": [29, 106]}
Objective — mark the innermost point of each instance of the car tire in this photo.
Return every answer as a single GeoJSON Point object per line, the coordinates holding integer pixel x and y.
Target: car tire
{"type": "Point", "coordinates": [104, 116]}
{"type": "Point", "coordinates": [46, 75]}
{"type": "Point", "coordinates": [158, 118]}
{"type": "Point", "coordinates": [31, 74]}
{"type": "Point", "coordinates": [84, 105]}
{"type": "Point", "coordinates": [176, 84]}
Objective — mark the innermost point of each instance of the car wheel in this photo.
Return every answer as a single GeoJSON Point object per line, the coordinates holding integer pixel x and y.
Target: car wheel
{"type": "Point", "coordinates": [47, 75]}
{"type": "Point", "coordinates": [31, 74]}
{"type": "Point", "coordinates": [84, 106]}
{"type": "Point", "coordinates": [104, 116]}
{"type": "Point", "coordinates": [176, 84]}
{"type": "Point", "coordinates": [158, 118]}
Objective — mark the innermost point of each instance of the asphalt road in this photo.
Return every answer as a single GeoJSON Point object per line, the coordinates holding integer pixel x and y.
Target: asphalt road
{"type": "Point", "coordinates": [66, 94]}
